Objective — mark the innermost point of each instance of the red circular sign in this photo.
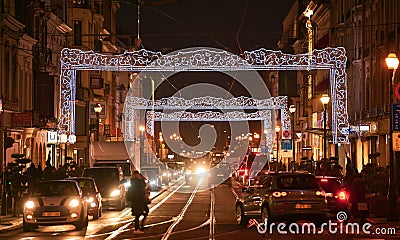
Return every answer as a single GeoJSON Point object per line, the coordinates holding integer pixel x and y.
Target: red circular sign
{"type": "Point", "coordinates": [397, 90]}
{"type": "Point", "coordinates": [286, 134]}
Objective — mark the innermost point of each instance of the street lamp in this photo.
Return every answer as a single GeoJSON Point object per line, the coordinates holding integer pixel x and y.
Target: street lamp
{"type": "Point", "coordinates": [292, 110]}
{"type": "Point", "coordinates": [325, 100]}
{"type": "Point", "coordinates": [97, 110]}
{"type": "Point", "coordinates": [161, 140]}
{"type": "Point", "coordinates": [277, 130]}
{"type": "Point", "coordinates": [141, 129]}
{"type": "Point", "coordinates": [392, 63]}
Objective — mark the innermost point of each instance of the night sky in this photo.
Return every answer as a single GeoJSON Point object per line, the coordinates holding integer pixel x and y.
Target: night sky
{"type": "Point", "coordinates": [168, 25]}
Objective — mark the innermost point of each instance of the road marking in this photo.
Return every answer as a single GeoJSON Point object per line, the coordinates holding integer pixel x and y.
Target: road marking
{"type": "Point", "coordinates": [181, 214]}
{"type": "Point", "coordinates": [212, 217]}
{"type": "Point", "coordinates": [122, 228]}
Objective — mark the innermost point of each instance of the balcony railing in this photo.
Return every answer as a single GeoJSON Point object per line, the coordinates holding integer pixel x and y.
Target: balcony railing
{"type": "Point", "coordinates": [43, 55]}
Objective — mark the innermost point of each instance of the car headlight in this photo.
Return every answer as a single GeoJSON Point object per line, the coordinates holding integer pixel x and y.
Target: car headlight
{"type": "Point", "coordinates": [200, 170]}
{"type": "Point", "coordinates": [29, 204]}
{"type": "Point", "coordinates": [90, 199]}
{"type": "Point", "coordinates": [74, 203]}
{"type": "Point", "coordinates": [115, 193]}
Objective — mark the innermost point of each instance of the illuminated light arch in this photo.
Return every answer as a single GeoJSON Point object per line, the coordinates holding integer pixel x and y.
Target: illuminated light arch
{"type": "Point", "coordinates": [264, 115]}
{"type": "Point", "coordinates": [332, 59]}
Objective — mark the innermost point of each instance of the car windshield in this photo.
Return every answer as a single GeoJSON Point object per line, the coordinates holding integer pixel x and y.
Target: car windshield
{"type": "Point", "coordinates": [297, 182]}
{"type": "Point", "coordinates": [57, 188]}
{"type": "Point", "coordinates": [87, 185]}
{"type": "Point", "coordinates": [150, 175]}
{"type": "Point", "coordinates": [126, 167]}
{"type": "Point", "coordinates": [104, 177]}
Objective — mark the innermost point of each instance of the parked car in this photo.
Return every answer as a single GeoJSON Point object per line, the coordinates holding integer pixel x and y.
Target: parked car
{"type": "Point", "coordinates": [53, 203]}
{"type": "Point", "coordinates": [110, 181]}
{"type": "Point", "coordinates": [92, 194]}
{"type": "Point", "coordinates": [283, 196]}
{"type": "Point", "coordinates": [336, 194]}
{"type": "Point", "coordinates": [163, 177]}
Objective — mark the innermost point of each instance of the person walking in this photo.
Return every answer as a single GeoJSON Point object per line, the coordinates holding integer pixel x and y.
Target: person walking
{"type": "Point", "coordinates": [138, 200]}
{"type": "Point", "coordinates": [359, 206]}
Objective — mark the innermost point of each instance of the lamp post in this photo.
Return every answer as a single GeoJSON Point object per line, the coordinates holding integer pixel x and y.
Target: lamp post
{"type": "Point", "coordinates": [141, 129]}
{"type": "Point", "coordinates": [292, 110]}
{"type": "Point", "coordinates": [392, 63]}
{"type": "Point", "coordinates": [161, 139]}
{"type": "Point", "coordinates": [97, 110]}
{"type": "Point", "coordinates": [277, 130]}
{"type": "Point", "coordinates": [325, 100]}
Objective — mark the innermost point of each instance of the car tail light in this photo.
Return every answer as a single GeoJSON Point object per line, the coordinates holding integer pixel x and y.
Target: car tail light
{"type": "Point", "coordinates": [320, 193]}
{"type": "Point", "coordinates": [342, 195]}
{"type": "Point", "coordinates": [324, 180]}
{"type": "Point", "coordinates": [279, 194]}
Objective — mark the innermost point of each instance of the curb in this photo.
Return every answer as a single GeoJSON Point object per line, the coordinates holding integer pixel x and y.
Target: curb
{"type": "Point", "coordinates": [13, 225]}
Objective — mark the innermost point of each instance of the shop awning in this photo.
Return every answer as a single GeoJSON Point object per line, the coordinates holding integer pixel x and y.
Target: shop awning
{"type": "Point", "coordinates": [109, 151]}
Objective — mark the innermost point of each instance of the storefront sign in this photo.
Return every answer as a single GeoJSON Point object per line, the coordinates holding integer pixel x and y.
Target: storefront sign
{"type": "Point", "coordinates": [51, 137]}
{"type": "Point", "coordinates": [21, 119]}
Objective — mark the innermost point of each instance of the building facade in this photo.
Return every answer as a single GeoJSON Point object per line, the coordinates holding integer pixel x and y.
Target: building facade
{"type": "Point", "coordinates": [368, 30]}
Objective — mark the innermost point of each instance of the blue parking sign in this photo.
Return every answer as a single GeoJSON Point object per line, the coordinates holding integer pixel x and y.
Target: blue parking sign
{"type": "Point", "coordinates": [286, 144]}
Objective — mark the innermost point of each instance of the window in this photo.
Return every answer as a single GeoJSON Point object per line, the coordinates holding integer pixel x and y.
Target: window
{"type": "Point", "coordinates": [77, 33]}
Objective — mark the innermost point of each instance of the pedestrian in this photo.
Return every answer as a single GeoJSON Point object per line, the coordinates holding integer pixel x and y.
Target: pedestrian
{"type": "Point", "coordinates": [359, 206]}
{"type": "Point", "coordinates": [33, 176]}
{"type": "Point", "coordinates": [50, 172]}
{"type": "Point", "coordinates": [138, 200]}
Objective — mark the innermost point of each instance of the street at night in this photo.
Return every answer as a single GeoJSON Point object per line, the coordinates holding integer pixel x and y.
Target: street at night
{"type": "Point", "coordinates": [199, 119]}
{"type": "Point", "coordinates": [176, 215]}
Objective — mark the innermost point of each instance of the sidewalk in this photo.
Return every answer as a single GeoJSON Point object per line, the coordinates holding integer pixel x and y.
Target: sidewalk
{"type": "Point", "coordinates": [9, 222]}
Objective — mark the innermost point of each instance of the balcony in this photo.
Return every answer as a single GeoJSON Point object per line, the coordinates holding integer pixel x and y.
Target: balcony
{"type": "Point", "coordinates": [43, 56]}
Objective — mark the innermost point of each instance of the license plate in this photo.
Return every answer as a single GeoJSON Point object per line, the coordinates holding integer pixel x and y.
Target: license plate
{"type": "Point", "coordinates": [303, 206]}
{"type": "Point", "coordinates": [51, 214]}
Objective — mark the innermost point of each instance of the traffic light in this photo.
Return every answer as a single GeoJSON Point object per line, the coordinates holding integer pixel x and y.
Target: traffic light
{"type": "Point", "coordinates": [8, 142]}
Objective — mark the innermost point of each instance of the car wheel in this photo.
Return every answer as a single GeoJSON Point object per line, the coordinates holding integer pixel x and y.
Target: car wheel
{"type": "Point", "coordinates": [28, 227]}
{"type": "Point", "coordinates": [83, 223]}
{"type": "Point", "coordinates": [266, 215]}
{"type": "Point", "coordinates": [240, 218]}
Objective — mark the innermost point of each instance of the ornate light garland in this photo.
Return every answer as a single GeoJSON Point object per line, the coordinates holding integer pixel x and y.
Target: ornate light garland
{"type": "Point", "coordinates": [264, 115]}
{"type": "Point", "coordinates": [333, 59]}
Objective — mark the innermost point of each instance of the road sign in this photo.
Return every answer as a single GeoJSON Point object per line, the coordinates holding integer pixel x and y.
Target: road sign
{"type": "Point", "coordinates": [397, 91]}
{"type": "Point", "coordinates": [396, 117]}
{"type": "Point", "coordinates": [286, 134]}
{"type": "Point", "coordinates": [396, 142]}
{"type": "Point", "coordinates": [286, 144]}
